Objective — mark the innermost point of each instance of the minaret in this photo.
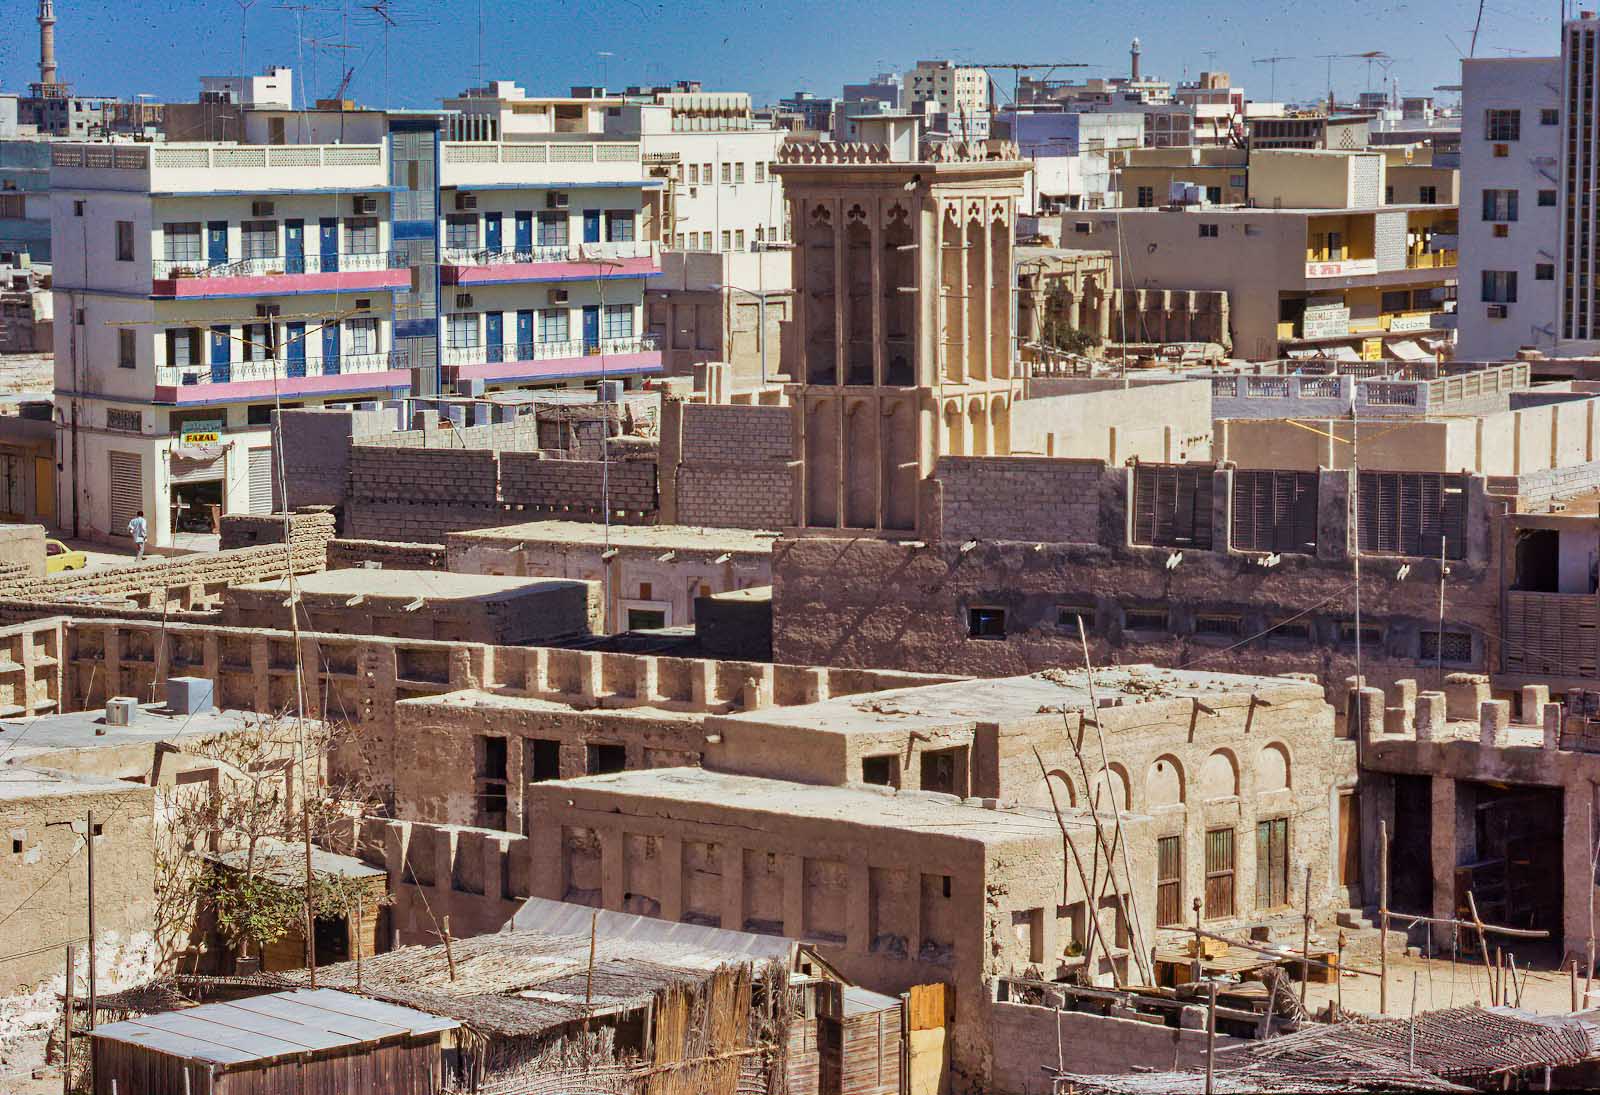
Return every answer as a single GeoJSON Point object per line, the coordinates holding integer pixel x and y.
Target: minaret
{"type": "Point", "coordinates": [1133, 54]}
{"type": "Point", "coordinates": [47, 42]}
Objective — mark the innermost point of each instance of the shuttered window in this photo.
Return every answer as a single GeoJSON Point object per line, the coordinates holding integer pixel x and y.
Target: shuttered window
{"type": "Point", "coordinates": [127, 489]}
{"type": "Point", "coordinates": [1219, 873]}
{"type": "Point", "coordinates": [1169, 881]}
{"type": "Point", "coordinates": [1272, 863]}
{"type": "Point", "coordinates": [1172, 505]}
{"type": "Point", "coordinates": [1406, 513]}
{"type": "Point", "coordinates": [1275, 511]}
{"type": "Point", "coordinates": [261, 480]}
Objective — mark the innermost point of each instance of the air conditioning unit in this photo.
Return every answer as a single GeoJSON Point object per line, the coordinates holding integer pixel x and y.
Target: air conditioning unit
{"type": "Point", "coordinates": [466, 201]}
{"type": "Point", "coordinates": [556, 296]}
{"type": "Point", "coordinates": [268, 311]}
{"type": "Point", "coordinates": [463, 300]}
{"type": "Point", "coordinates": [1497, 311]}
{"type": "Point", "coordinates": [1502, 231]}
{"type": "Point", "coordinates": [556, 199]}
{"type": "Point", "coordinates": [363, 304]}
{"type": "Point", "coordinates": [261, 209]}
{"type": "Point", "coordinates": [1501, 151]}
{"type": "Point", "coordinates": [364, 203]}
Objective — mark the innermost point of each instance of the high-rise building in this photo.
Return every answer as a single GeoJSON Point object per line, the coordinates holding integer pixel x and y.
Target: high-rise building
{"type": "Point", "coordinates": [953, 88]}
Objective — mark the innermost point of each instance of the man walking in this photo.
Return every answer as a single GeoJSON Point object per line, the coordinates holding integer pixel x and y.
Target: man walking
{"type": "Point", "coordinates": [138, 530]}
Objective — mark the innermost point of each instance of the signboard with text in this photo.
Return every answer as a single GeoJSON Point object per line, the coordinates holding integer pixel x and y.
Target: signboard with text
{"type": "Point", "coordinates": [204, 432]}
{"type": "Point", "coordinates": [1344, 268]}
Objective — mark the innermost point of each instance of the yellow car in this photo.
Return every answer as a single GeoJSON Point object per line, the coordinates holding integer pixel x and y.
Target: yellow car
{"type": "Point", "coordinates": [59, 557]}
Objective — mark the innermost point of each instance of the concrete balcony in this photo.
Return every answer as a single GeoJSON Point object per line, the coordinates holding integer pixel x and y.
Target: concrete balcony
{"type": "Point", "coordinates": [218, 168]}
{"type": "Point", "coordinates": [275, 276]}
{"type": "Point", "coordinates": [562, 262]}
{"type": "Point", "coordinates": [245, 380]}
{"type": "Point", "coordinates": [554, 360]}
{"type": "Point", "coordinates": [562, 164]}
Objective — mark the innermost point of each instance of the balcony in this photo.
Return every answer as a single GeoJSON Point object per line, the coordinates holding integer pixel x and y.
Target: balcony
{"type": "Point", "coordinates": [1432, 259]}
{"type": "Point", "coordinates": [240, 380]}
{"type": "Point", "coordinates": [274, 275]}
{"type": "Point", "coordinates": [569, 358]}
{"type": "Point", "coordinates": [559, 262]}
{"type": "Point", "coordinates": [220, 168]}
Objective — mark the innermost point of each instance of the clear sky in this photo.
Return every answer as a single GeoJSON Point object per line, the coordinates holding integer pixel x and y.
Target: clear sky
{"type": "Point", "coordinates": [123, 47]}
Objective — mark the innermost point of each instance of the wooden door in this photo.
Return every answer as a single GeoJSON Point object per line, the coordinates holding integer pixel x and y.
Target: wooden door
{"type": "Point", "coordinates": [1349, 839]}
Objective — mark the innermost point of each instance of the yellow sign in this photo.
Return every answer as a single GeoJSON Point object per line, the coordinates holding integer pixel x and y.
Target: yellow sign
{"type": "Point", "coordinates": [208, 437]}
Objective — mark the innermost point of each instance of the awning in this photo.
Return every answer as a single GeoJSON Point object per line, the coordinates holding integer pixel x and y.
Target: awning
{"type": "Point", "coordinates": [1406, 350]}
{"type": "Point", "coordinates": [1344, 353]}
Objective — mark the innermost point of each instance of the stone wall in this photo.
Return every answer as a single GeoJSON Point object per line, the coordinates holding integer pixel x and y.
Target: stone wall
{"type": "Point", "coordinates": [582, 489]}
{"type": "Point", "coordinates": [1022, 498]}
{"type": "Point", "coordinates": [1028, 1037]}
{"type": "Point", "coordinates": [388, 554]}
{"type": "Point", "coordinates": [727, 466]}
{"type": "Point", "coordinates": [21, 551]}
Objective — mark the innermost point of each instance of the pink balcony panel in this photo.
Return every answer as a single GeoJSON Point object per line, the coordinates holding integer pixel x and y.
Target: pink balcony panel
{"type": "Point", "coordinates": [266, 285]}
{"type": "Point", "coordinates": [506, 272]}
{"type": "Point", "coordinates": [286, 387]}
{"type": "Point", "coordinates": [588, 365]}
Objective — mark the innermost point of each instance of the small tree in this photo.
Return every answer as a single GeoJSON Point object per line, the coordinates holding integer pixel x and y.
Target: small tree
{"type": "Point", "coordinates": [270, 788]}
{"type": "Point", "coordinates": [1057, 333]}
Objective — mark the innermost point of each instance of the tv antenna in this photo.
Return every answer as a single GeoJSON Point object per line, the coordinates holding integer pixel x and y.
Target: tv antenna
{"type": "Point", "coordinates": [244, 10]}
{"type": "Point", "coordinates": [381, 9]}
{"type": "Point", "coordinates": [1273, 79]}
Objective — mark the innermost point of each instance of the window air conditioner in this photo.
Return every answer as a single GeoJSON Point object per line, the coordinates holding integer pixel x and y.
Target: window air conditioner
{"type": "Point", "coordinates": [1497, 311]}
{"type": "Point", "coordinates": [556, 199]}
{"type": "Point", "coordinates": [261, 209]}
{"type": "Point", "coordinates": [466, 201]}
{"type": "Point", "coordinates": [268, 311]}
{"type": "Point", "coordinates": [364, 203]}
{"type": "Point", "coordinates": [557, 296]}
{"type": "Point", "coordinates": [463, 300]}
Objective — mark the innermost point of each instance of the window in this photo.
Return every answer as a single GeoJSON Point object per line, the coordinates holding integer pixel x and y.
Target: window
{"type": "Point", "coordinates": [1500, 286]}
{"type": "Point", "coordinates": [541, 759]}
{"type": "Point", "coordinates": [1502, 125]}
{"type": "Point", "coordinates": [1172, 505]}
{"type": "Point", "coordinates": [1169, 881]}
{"type": "Point", "coordinates": [1371, 635]}
{"type": "Point", "coordinates": [883, 771]}
{"type": "Point", "coordinates": [1395, 300]}
{"type": "Point", "coordinates": [1068, 617]}
{"type": "Point", "coordinates": [552, 230]}
{"type": "Point", "coordinates": [258, 344]}
{"type": "Point", "coordinates": [1225, 626]}
{"type": "Point", "coordinates": [705, 174]}
{"type": "Point", "coordinates": [259, 239]}
{"type": "Point", "coordinates": [760, 172]}
{"type": "Point", "coordinates": [119, 419]}
{"type": "Point", "coordinates": [759, 233]}
{"type": "Point", "coordinates": [1145, 197]}
{"type": "Point", "coordinates": [1544, 271]}
{"type": "Point", "coordinates": [727, 173]}
{"type": "Point", "coordinates": [1208, 231]}
{"type": "Point", "coordinates": [738, 239]}
{"type": "Point", "coordinates": [463, 329]}
{"type": "Point", "coordinates": [617, 321]}
{"type": "Point", "coordinates": [738, 173]}
{"type": "Point", "coordinates": [1451, 646]}
{"type": "Point", "coordinates": [1144, 619]}
{"type": "Point", "coordinates": [1499, 205]}
{"type": "Point", "coordinates": [183, 346]}
{"type": "Point", "coordinates": [1549, 116]}
{"type": "Point", "coordinates": [124, 241]}
{"type": "Point", "coordinates": [181, 242]}
{"type": "Point", "coordinates": [361, 335]}
{"type": "Point", "coordinates": [1219, 873]}
{"type": "Point", "coordinates": [694, 174]}
{"type": "Point", "coordinates": [553, 325]}
{"type": "Point", "coordinates": [77, 208]}
{"type": "Point", "coordinates": [727, 239]}
{"type": "Point", "coordinates": [1272, 863]}
{"type": "Point", "coordinates": [986, 623]}
{"type": "Point", "coordinates": [1276, 511]}
{"type": "Point", "coordinates": [646, 619]}
{"type": "Point", "coordinates": [619, 226]}
{"type": "Point", "coordinates": [1428, 195]}
{"type": "Point", "coordinates": [1406, 513]}
{"type": "Point", "coordinates": [680, 241]}
{"type": "Point", "coordinates": [361, 235]}
{"type": "Point", "coordinates": [605, 758]}
{"type": "Point", "coordinates": [125, 348]}
{"type": "Point", "coordinates": [1214, 195]}
{"type": "Point", "coordinates": [1388, 195]}
{"type": "Point", "coordinates": [1547, 197]}
{"type": "Point", "coordinates": [461, 232]}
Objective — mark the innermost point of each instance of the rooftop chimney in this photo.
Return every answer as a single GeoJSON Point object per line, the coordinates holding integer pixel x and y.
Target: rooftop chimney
{"type": "Point", "coordinates": [47, 42]}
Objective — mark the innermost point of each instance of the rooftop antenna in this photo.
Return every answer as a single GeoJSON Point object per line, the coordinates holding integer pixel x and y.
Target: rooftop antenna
{"type": "Point", "coordinates": [1272, 62]}
{"type": "Point", "coordinates": [1472, 48]}
{"type": "Point", "coordinates": [1211, 58]}
{"type": "Point", "coordinates": [381, 10]}
{"type": "Point", "coordinates": [605, 56]}
{"type": "Point", "coordinates": [244, 11]}
{"type": "Point", "coordinates": [481, 82]}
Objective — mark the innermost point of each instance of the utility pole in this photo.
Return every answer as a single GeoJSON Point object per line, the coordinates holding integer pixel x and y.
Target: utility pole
{"type": "Point", "coordinates": [88, 836]}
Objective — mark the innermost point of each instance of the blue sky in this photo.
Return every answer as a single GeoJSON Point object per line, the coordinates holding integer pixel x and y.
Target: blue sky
{"type": "Point", "coordinates": [128, 46]}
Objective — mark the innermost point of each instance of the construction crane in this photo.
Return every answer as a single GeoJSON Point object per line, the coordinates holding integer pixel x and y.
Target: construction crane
{"type": "Point", "coordinates": [1273, 61]}
{"type": "Point", "coordinates": [1018, 70]}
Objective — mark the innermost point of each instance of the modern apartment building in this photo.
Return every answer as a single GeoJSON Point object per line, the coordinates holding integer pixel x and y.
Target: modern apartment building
{"type": "Point", "coordinates": [955, 89]}
{"type": "Point", "coordinates": [337, 257]}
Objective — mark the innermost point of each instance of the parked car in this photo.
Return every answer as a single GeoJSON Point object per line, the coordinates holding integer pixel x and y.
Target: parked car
{"type": "Point", "coordinates": [59, 557]}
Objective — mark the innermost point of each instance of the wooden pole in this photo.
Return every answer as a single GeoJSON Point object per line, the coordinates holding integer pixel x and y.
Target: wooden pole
{"type": "Point", "coordinates": [1199, 973]}
{"type": "Point", "coordinates": [1594, 856]}
{"type": "Point", "coordinates": [359, 899]}
{"type": "Point", "coordinates": [66, 1024]}
{"type": "Point", "coordinates": [1483, 943]}
{"type": "Point", "coordinates": [1211, 1040]}
{"type": "Point", "coordinates": [94, 997]}
{"type": "Point", "coordinates": [1305, 943]}
{"type": "Point", "coordinates": [1089, 897]}
{"type": "Point", "coordinates": [588, 979]}
{"type": "Point", "coordinates": [1573, 969]}
{"type": "Point", "coordinates": [1338, 975]}
{"type": "Point", "coordinates": [449, 952]}
{"type": "Point", "coordinates": [1411, 1034]}
{"type": "Point", "coordinates": [1383, 910]}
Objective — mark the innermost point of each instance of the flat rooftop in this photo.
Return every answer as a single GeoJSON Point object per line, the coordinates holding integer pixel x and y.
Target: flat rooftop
{"type": "Point", "coordinates": [857, 804]}
{"type": "Point", "coordinates": [89, 730]}
{"type": "Point", "coordinates": [477, 698]}
{"type": "Point", "coordinates": [17, 784]}
{"type": "Point", "coordinates": [1006, 699]}
{"type": "Point", "coordinates": [587, 534]}
{"type": "Point", "coordinates": [407, 585]}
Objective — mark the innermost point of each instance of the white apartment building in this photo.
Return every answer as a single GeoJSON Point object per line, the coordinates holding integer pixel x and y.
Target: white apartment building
{"type": "Point", "coordinates": [346, 257]}
{"type": "Point", "coordinates": [954, 89]}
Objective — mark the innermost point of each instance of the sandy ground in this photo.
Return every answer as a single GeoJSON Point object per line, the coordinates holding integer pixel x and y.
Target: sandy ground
{"type": "Point", "coordinates": [1439, 984]}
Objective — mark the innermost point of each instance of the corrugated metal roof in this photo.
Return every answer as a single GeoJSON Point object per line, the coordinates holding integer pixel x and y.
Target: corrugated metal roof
{"type": "Point", "coordinates": [563, 918]}
{"type": "Point", "coordinates": [265, 1027]}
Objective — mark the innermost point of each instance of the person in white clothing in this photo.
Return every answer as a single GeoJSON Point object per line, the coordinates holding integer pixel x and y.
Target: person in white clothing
{"type": "Point", "coordinates": [138, 530]}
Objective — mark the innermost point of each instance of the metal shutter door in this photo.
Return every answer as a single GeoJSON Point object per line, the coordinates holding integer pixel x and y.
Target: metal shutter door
{"type": "Point", "coordinates": [127, 490]}
{"type": "Point", "coordinates": [261, 480]}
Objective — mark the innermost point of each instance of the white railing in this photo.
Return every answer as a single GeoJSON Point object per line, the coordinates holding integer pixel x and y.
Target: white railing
{"type": "Point", "coordinates": [468, 152]}
{"type": "Point", "coordinates": [573, 252]}
{"type": "Point", "coordinates": [276, 264]}
{"type": "Point", "coordinates": [235, 372]}
{"type": "Point", "coordinates": [484, 354]}
{"type": "Point", "coordinates": [267, 156]}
